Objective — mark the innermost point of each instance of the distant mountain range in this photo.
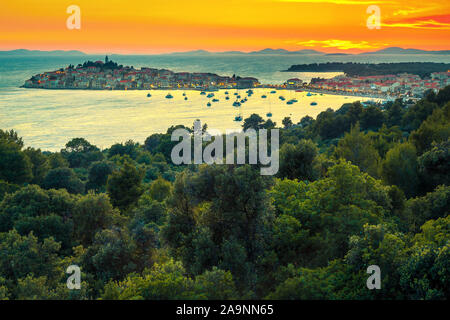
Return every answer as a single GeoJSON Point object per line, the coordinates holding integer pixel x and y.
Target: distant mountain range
{"type": "Point", "coordinates": [25, 52]}
{"type": "Point", "coordinates": [264, 51]}
{"type": "Point", "coordinates": [283, 51]}
{"type": "Point", "coordinates": [397, 50]}
{"type": "Point", "coordinates": [268, 51]}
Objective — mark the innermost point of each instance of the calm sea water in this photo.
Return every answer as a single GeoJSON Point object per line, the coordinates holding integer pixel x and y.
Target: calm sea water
{"type": "Point", "coordinates": [47, 119]}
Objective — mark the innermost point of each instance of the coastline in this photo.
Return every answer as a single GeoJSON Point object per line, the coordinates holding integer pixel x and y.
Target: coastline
{"type": "Point", "coordinates": [349, 94]}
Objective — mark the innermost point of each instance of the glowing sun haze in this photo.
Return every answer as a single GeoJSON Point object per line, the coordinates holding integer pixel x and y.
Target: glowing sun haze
{"type": "Point", "coordinates": [156, 26]}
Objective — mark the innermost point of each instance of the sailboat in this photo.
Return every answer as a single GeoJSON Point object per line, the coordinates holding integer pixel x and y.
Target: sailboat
{"type": "Point", "coordinates": [269, 114]}
{"type": "Point", "coordinates": [238, 118]}
{"type": "Point", "coordinates": [237, 103]}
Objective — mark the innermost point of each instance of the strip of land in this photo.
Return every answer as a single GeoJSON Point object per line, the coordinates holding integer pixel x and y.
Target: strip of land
{"type": "Point", "coordinates": [422, 69]}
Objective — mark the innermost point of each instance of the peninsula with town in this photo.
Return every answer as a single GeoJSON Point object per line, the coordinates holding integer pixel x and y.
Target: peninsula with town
{"type": "Point", "coordinates": [374, 81]}
{"type": "Point", "coordinates": [108, 75]}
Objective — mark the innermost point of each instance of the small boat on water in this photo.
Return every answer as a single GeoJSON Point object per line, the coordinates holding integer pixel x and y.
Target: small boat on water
{"type": "Point", "coordinates": [263, 96]}
{"type": "Point", "coordinates": [208, 104]}
{"type": "Point", "coordinates": [215, 100]}
{"type": "Point", "coordinates": [309, 94]}
{"type": "Point", "coordinates": [226, 92]}
{"type": "Point", "coordinates": [238, 96]}
{"type": "Point", "coordinates": [282, 98]}
{"type": "Point", "coordinates": [269, 114]}
{"type": "Point", "coordinates": [148, 95]}
{"type": "Point", "coordinates": [290, 102]}
{"type": "Point", "coordinates": [210, 95]}
{"type": "Point", "coordinates": [273, 91]}
{"type": "Point", "coordinates": [185, 98]}
{"type": "Point", "coordinates": [184, 94]}
{"type": "Point", "coordinates": [227, 98]}
{"type": "Point", "coordinates": [236, 104]}
{"type": "Point", "coordinates": [238, 118]}
{"type": "Point", "coordinates": [313, 103]}
{"type": "Point", "coordinates": [169, 96]}
{"type": "Point", "coordinates": [203, 93]}
{"type": "Point", "coordinates": [235, 93]}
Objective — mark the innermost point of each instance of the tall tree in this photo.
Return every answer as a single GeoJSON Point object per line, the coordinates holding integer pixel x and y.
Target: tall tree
{"type": "Point", "coordinates": [357, 148]}
{"type": "Point", "coordinates": [400, 168]}
{"type": "Point", "coordinates": [15, 166]}
{"type": "Point", "coordinates": [124, 186]}
{"type": "Point", "coordinates": [297, 161]}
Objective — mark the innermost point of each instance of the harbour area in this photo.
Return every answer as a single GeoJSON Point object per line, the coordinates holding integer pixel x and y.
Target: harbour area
{"type": "Point", "coordinates": [108, 75]}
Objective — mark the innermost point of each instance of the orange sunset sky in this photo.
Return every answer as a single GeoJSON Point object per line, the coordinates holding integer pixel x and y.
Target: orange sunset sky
{"type": "Point", "coordinates": [157, 26]}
